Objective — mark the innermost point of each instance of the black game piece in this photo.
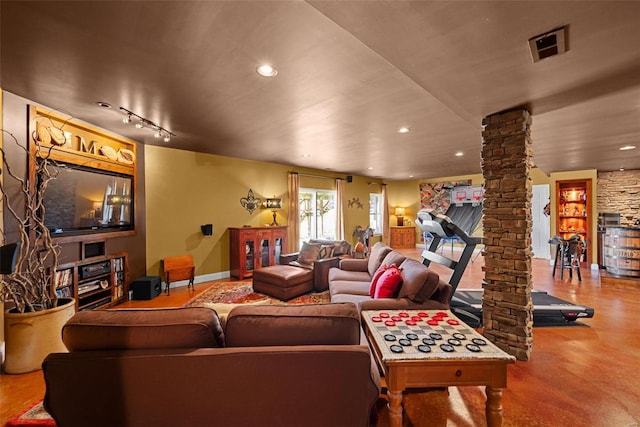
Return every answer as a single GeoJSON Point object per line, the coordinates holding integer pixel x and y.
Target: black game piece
{"type": "Point", "coordinates": [424, 348]}
{"type": "Point", "coordinates": [448, 348]}
{"type": "Point", "coordinates": [396, 349]}
{"type": "Point", "coordinates": [389, 337]}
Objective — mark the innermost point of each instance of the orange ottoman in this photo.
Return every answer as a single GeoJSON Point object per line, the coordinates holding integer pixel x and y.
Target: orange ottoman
{"type": "Point", "coordinates": [283, 281]}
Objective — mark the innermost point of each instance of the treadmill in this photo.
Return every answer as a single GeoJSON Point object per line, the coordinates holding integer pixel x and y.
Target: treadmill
{"type": "Point", "coordinates": [467, 303]}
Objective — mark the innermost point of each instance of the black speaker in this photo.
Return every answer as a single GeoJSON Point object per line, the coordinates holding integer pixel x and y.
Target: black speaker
{"type": "Point", "coordinates": [349, 178]}
{"type": "Point", "coordinates": [207, 229]}
{"type": "Point", "coordinates": [8, 257]}
{"type": "Point", "coordinates": [147, 287]}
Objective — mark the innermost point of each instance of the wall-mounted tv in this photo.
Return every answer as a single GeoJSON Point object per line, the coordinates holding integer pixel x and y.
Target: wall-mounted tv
{"type": "Point", "coordinates": [84, 200]}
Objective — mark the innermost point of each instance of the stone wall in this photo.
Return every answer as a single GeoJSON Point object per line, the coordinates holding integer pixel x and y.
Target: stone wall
{"type": "Point", "coordinates": [619, 191]}
{"type": "Point", "coordinates": [506, 167]}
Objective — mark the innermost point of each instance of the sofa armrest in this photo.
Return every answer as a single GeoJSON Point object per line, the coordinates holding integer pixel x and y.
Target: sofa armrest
{"type": "Point", "coordinates": [321, 273]}
{"type": "Point", "coordinates": [287, 258]}
{"type": "Point", "coordinates": [353, 264]}
{"type": "Point", "coordinates": [443, 293]}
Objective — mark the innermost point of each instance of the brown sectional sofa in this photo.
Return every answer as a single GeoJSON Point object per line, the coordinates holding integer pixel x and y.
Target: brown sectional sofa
{"type": "Point", "coordinates": [270, 366]}
{"type": "Point", "coordinates": [320, 267]}
{"type": "Point", "coordinates": [421, 288]}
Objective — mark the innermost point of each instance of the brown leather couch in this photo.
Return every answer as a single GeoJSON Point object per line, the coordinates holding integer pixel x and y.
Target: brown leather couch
{"type": "Point", "coordinates": [270, 366]}
{"type": "Point", "coordinates": [421, 288]}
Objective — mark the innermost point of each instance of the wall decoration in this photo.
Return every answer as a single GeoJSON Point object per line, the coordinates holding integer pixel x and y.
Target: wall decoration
{"type": "Point", "coordinates": [355, 203]}
{"type": "Point", "coordinates": [250, 203]}
{"type": "Point", "coordinates": [436, 195]}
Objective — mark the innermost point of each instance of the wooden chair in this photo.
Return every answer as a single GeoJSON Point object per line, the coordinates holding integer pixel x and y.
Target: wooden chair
{"type": "Point", "coordinates": [178, 268]}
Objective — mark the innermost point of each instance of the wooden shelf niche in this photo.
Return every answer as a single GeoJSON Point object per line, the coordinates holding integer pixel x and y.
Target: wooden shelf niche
{"type": "Point", "coordinates": [83, 144]}
{"type": "Point", "coordinates": [574, 211]}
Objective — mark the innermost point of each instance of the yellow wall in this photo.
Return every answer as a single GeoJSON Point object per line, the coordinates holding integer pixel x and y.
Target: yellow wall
{"type": "Point", "coordinates": [186, 189]}
{"type": "Point", "coordinates": [591, 174]}
{"type": "Point", "coordinates": [539, 177]}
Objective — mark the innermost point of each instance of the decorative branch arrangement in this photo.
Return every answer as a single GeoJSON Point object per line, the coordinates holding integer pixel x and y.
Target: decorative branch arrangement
{"type": "Point", "coordinates": [30, 286]}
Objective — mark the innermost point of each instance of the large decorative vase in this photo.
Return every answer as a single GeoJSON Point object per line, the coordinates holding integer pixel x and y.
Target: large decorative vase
{"type": "Point", "coordinates": [30, 337]}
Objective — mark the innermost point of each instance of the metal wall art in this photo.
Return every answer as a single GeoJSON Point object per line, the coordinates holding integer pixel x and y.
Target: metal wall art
{"type": "Point", "coordinates": [355, 203]}
{"type": "Point", "coordinates": [250, 202]}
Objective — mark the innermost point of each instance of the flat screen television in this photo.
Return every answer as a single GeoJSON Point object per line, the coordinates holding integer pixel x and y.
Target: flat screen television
{"type": "Point", "coordinates": [84, 200]}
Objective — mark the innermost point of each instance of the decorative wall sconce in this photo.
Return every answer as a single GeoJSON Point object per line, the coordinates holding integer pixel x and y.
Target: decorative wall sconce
{"type": "Point", "coordinates": [400, 216]}
{"type": "Point", "coordinates": [274, 204]}
{"type": "Point", "coordinates": [250, 203]}
{"type": "Point", "coordinates": [207, 229]}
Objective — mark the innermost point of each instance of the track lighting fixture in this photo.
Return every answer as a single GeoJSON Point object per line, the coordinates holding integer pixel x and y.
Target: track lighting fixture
{"type": "Point", "coordinates": [141, 122]}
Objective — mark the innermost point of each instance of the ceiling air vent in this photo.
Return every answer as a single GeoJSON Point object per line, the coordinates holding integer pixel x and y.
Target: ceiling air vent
{"type": "Point", "coordinates": [549, 44]}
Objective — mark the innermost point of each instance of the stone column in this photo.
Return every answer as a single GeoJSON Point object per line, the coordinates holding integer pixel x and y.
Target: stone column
{"type": "Point", "coordinates": [506, 167]}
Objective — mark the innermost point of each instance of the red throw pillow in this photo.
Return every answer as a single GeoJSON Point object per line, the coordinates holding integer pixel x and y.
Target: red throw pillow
{"type": "Point", "coordinates": [389, 283]}
{"type": "Point", "coordinates": [375, 278]}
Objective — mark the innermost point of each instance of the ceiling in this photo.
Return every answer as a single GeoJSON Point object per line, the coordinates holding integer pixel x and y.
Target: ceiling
{"type": "Point", "coordinates": [351, 73]}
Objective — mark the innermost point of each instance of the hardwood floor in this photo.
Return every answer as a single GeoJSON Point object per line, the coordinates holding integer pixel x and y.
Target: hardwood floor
{"type": "Point", "coordinates": [584, 375]}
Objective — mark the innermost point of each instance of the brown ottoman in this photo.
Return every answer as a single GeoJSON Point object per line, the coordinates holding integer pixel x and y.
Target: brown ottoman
{"type": "Point", "coordinates": [283, 281]}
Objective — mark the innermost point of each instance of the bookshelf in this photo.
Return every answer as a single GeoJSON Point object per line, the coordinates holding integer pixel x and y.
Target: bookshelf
{"type": "Point", "coordinates": [97, 282]}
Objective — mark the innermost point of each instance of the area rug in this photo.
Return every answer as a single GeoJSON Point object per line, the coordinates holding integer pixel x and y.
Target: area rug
{"type": "Point", "coordinates": [242, 293]}
{"type": "Point", "coordinates": [35, 416]}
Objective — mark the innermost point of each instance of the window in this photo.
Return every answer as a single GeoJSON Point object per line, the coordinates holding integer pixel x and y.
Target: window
{"type": "Point", "coordinates": [317, 214]}
{"type": "Point", "coordinates": [375, 212]}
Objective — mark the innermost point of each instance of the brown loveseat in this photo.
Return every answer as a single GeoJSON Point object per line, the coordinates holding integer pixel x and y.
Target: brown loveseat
{"type": "Point", "coordinates": [270, 366]}
{"type": "Point", "coordinates": [421, 288]}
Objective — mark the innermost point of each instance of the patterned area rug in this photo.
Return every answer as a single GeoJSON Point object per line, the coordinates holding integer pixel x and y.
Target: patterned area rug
{"type": "Point", "coordinates": [35, 416]}
{"type": "Point", "coordinates": [242, 292]}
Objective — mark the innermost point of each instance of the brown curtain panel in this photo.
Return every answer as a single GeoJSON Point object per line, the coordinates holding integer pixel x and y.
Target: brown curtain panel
{"type": "Point", "coordinates": [293, 217]}
{"type": "Point", "coordinates": [340, 201]}
{"type": "Point", "coordinates": [386, 231]}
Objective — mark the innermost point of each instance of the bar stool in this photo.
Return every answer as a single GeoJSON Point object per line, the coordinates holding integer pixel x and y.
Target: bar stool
{"type": "Point", "coordinates": [568, 252]}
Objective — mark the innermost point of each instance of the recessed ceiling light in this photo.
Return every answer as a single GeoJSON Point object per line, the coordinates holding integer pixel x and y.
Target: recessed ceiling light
{"type": "Point", "coordinates": [459, 154]}
{"type": "Point", "coordinates": [103, 104]}
{"type": "Point", "coordinates": [404, 130]}
{"type": "Point", "coordinates": [267, 70]}
{"type": "Point", "coordinates": [306, 156]}
{"type": "Point", "coordinates": [370, 168]}
{"type": "Point", "coordinates": [621, 169]}
{"type": "Point", "coordinates": [410, 176]}
{"type": "Point", "coordinates": [627, 147]}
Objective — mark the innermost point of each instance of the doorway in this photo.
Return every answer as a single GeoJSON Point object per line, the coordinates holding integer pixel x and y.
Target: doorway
{"type": "Point", "coordinates": [541, 228]}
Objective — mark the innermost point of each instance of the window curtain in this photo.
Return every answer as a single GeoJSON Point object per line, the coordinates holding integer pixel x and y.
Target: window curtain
{"type": "Point", "coordinates": [340, 200]}
{"type": "Point", "coordinates": [293, 217]}
{"type": "Point", "coordinates": [386, 231]}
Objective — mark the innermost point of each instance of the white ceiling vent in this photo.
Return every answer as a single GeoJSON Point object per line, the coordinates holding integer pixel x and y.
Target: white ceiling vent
{"type": "Point", "coordinates": [549, 44]}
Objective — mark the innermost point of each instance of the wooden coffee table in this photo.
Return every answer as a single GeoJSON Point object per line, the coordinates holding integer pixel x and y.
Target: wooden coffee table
{"type": "Point", "coordinates": [413, 353]}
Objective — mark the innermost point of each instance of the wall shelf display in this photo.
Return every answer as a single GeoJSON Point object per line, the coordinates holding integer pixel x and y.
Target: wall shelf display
{"type": "Point", "coordinates": [574, 211]}
{"type": "Point", "coordinates": [98, 282]}
{"type": "Point", "coordinates": [255, 247]}
{"type": "Point", "coordinates": [80, 143]}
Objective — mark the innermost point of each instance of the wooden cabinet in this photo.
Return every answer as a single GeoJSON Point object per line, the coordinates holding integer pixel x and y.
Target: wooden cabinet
{"type": "Point", "coordinates": [255, 247]}
{"type": "Point", "coordinates": [574, 211]}
{"type": "Point", "coordinates": [97, 282]}
{"type": "Point", "coordinates": [403, 237]}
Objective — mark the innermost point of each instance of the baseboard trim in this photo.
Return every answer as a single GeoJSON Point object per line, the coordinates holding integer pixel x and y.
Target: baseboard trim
{"type": "Point", "coordinates": [202, 278]}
